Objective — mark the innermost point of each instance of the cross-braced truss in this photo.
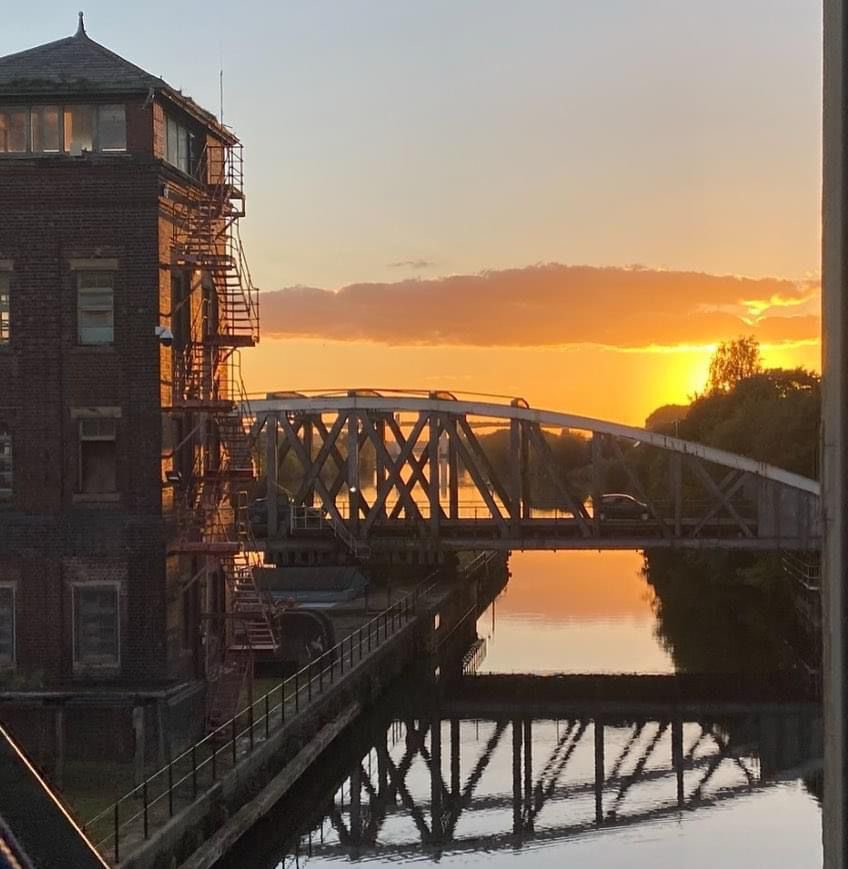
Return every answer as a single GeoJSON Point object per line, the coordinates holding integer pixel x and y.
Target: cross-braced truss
{"type": "Point", "coordinates": [438, 783]}
{"type": "Point", "coordinates": [429, 473]}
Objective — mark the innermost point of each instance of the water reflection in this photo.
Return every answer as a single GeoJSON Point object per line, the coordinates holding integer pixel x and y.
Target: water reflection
{"type": "Point", "coordinates": [437, 788]}
{"type": "Point", "coordinates": [574, 612]}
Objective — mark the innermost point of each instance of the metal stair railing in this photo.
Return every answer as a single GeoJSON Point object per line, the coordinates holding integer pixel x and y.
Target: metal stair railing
{"type": "Point", "coordinates": [190, 775]}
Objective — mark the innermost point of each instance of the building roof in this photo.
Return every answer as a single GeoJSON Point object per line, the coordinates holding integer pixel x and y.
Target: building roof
{"type": "Point", "coordinates": [79, 66]}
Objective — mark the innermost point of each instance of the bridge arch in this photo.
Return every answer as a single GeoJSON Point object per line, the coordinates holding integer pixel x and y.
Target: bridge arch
{"type": "Point", "coordinates": [424, 447]}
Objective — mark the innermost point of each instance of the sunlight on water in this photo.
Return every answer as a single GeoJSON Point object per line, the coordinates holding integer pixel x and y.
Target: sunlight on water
{"type": "Point", "coordinates": [573, 612]}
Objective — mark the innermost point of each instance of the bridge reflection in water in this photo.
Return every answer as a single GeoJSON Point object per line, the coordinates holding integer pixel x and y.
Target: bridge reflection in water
{"type": "Point", "coordinates": [433, 782]}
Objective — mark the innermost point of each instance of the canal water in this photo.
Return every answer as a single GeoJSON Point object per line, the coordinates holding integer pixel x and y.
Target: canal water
{"type": "Point", "coordinates": [421, 784]}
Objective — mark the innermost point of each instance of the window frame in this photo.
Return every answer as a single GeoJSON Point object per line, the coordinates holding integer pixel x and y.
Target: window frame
{"type": "Point", "coordinates": [8, 110]}
{"type": "Point", "coordinates": [80, 276]}
{"type": "Point", "coordinates": [32, 111]}
{"type": "Point", "coordinates": [101, 662]}
{"type": "Point", "coordinates": [11, 663]}
{"type": "Point", "coordinates": [84, 438]}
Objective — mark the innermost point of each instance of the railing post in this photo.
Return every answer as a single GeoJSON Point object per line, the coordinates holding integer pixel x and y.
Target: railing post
{"type": "Point", "coordinates": [194, 770]}
{"type": "Point", "coordinates": [360, 643]}
{"type": "Point", "coordinates": [309, 682]}
{"type": "Point", "coordinates": [214, 760]}
{"type": "Point", "coordinates": [233, 737]}
{"type": "Point", "coordinates": [296, 691]}
{"type": "Point", "coordinates": [320, 677]}
{"type": "Point", "coordinates": [170, 789]}
{"type": "Point", "coordinates": [250, 723]}
{"type": "Point", "coordinates": [267, 717]}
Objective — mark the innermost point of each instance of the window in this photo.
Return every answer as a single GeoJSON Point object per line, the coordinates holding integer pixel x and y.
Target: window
{"type": "Point", "coordinates": [111, 128]}
{"type": "Point", "coordinates": [13, 132]}
{"type": "Point", "coordinates": [180, 145]}
{"type": "Point", "coordinates": [98, 455]}
{"type": "Point", "coordinates": [95, 128]}
{"type": "Point", "coordinates": [45, 133]}
{"type": "Point", "coordinates": [58, 129]}
{"type": "Point", "coordinates": [5, 464]}
{"type": "Point", "coordinates": [5, 307]}
{"type": "Point", "coordinates": [95, 321]}
{"type": "Point", "coordinates": [96, 625]}
{"type": "Point", "coordinates": [7, 625]}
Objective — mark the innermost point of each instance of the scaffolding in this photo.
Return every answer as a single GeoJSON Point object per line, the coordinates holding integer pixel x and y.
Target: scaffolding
{"type": "Point", "coordinates": [219, 310]}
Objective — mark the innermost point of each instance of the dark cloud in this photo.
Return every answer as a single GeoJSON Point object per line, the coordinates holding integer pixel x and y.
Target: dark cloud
{"type": "Point", "coordinates": [543, 305]}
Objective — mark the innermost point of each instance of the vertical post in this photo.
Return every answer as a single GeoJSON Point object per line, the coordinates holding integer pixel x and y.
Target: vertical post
{"type": "Point", "coordinates": [516, 778]}
{"type": "Point", "coordinates": [515, 494]}
{"type": "Point", "coordinates": [194, 770]}
{"type": "Point", "coordinates": [307, 445]}
{"type": "Point", "coordinates": [271, 474]}
{"type": "Point", "coordinates": [453, 467]}
{"type": "Point", "coordinates": [600, 772]}
{"type": "Point", "coordinates": [525, 472]}
{"type": "Point", "coordinates": [353, 471]}
{"type": "Point", "coordinates": [834, 473]}
{"type": "Point", "coordinates": [380, 466]}
{"type": "Point", "coordinates": [677, 491]}
{"type": "Point", "coordinates": [454, 748]}
{"type": "Point", "coordinates": [677, 758]}
{"type": "Point", "coordinates": [597, 482]}
{"type": "Point", "coordinates": [170, 789]}
{"type": "Point", "coordinates": [436, 777]}
{"type": "Point", "coordinates": [356, 805]}
{"type": "Point", "coordinates": [433, 482]}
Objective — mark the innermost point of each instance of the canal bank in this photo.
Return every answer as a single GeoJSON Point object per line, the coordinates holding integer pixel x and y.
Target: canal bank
{"type": "Point", "coordinates": [207, 795]}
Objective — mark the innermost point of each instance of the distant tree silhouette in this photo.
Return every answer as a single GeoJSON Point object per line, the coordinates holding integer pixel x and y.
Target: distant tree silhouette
{"type": "Point", "coordinates": [734, 361]}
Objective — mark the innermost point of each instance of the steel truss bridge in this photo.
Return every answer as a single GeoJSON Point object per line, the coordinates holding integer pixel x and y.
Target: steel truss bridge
{"type": "Point", "coordinates": [445, 783]}
{"type": "Point", "coordinates": [414, 475]}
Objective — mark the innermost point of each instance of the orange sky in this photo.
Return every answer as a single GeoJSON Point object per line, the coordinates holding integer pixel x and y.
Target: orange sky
{"type": "Point", "coordinates": [614, 343]}
{"type": "Point", "coordinates": [624, 386]}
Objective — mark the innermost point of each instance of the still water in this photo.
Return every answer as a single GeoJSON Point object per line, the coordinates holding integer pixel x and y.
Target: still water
{"type": "Point", "coordinates": [419, 784]}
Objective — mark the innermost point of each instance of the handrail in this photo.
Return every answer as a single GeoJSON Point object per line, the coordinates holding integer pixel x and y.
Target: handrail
{"type": "Point", "coordinates": [232, 739]}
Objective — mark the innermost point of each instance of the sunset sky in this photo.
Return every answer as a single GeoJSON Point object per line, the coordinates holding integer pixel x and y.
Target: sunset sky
{"type": "Point", "coordinates": [551, 198]}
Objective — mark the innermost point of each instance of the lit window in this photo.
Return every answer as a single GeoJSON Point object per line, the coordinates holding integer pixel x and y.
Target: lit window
{"type": "Point", "coordinates": [96, 624]}
{"type": "Point", "coordinates": [13, 133]}
{"type": "Point", "coordinates": [79, 129]}
{"type": "Point", "coordinates": [5, 464]}
{"type": "Point", "coordinates": [45, 133]}
{"type": "Point", "coordinates": [5, 307]}
{"type": "Point", "coordinates": [7, 625]}
{"type": "Point", "coordinates": [98, 455]}
{"type": "Point", "coordinates": [95, 307]}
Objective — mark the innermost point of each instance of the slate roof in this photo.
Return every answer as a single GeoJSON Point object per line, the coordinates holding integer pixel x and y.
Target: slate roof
{"type": "Point", "coordinates": [79, 66]}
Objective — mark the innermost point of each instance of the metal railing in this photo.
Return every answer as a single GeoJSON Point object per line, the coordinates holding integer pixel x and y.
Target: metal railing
{"type": "Point", "coordinates": [191, 774]}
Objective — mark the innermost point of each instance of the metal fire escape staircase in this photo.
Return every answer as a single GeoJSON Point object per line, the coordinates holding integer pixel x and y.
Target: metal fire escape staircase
{"type": "Point", "coordinates": [207, 382]}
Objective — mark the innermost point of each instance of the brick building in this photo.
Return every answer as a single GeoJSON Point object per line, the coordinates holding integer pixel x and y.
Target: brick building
{"type": "Point", "coordinates": [124, 300]}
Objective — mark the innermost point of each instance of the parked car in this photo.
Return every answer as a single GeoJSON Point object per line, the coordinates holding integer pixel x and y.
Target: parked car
{"type": "Point", "coordinates": [615, 505]}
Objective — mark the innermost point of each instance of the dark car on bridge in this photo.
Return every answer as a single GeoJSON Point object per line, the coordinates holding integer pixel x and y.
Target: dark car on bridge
{"type": "Point", "coordinates": [619, 506]}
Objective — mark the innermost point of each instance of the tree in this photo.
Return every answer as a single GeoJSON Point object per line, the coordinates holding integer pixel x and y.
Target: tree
{"type": "Point", "coordinates": [732, 362]}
